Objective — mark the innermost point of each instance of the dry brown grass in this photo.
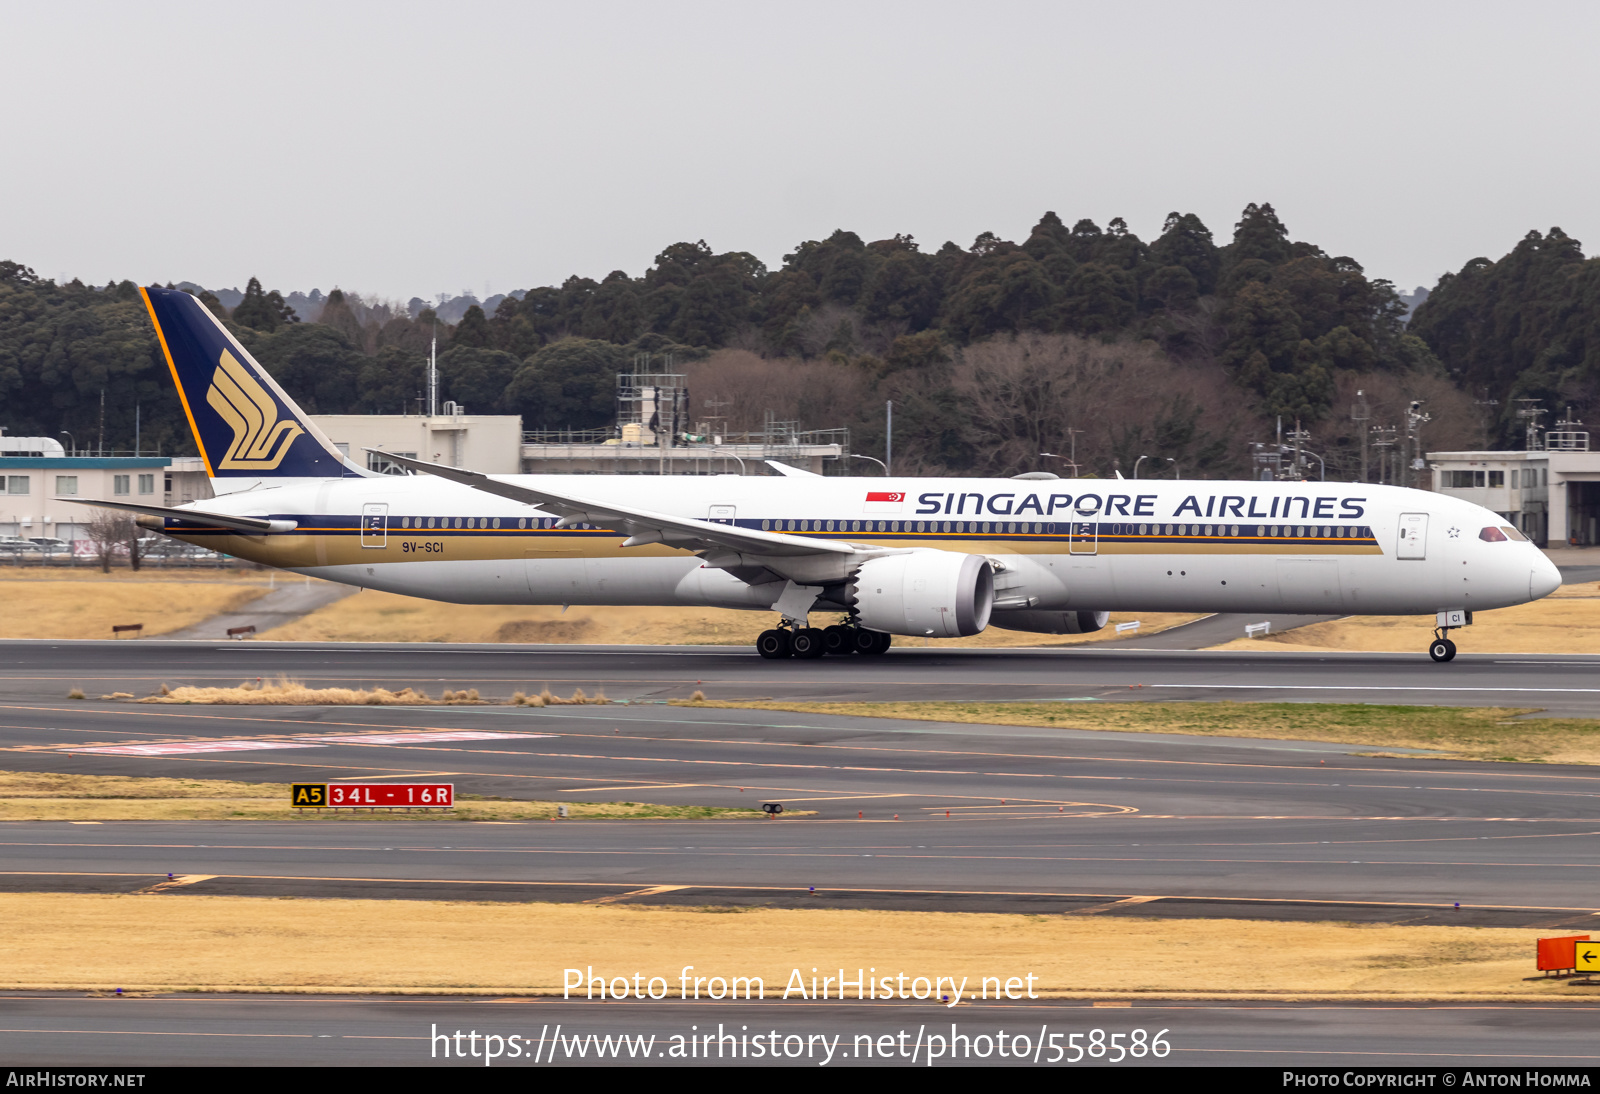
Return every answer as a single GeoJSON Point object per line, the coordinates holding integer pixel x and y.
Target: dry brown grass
{"type": "Point", "coordinates": [34, 796]}
{"type": "Point", "coordinates": [139, 942]}
{"type": "Point", "coordinates": [1477, 733]}
{"type": "Point", "coordinates": [83, 603]}
{"type": "Point", "coordinates": [286, 692]}
{"type": "Point", "coordinates": [1567, 621]}
{"type": "Point", "coordinates": [389, 617]}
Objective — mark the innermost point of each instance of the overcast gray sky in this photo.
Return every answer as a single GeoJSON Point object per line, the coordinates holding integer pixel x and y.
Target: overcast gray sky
{"type": "Point", "coordinates": [404, 150]}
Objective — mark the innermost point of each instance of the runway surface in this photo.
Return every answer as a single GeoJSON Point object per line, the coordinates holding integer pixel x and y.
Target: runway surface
{"type": "Point", "coordinates": [59, 1030]}
{"type": "Point", "coordinates": [880, 814]}
{"type": "Point", "coordinates": [1562, 684]}
{"type": "Point", "coordinates": [903, 814]}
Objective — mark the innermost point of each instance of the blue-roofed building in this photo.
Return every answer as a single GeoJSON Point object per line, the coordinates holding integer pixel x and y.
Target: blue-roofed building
{"type": "Point", "coordinates": [39, 483]}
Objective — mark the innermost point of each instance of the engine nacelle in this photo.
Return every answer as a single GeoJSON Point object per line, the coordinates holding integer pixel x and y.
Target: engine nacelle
{"type": "Point", "coordinates": [1051, 622]}
{"type": "Point", "coordinates": [938, 594]}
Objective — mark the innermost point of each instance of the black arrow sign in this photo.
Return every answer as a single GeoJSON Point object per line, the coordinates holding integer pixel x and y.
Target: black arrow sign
{"type": "Point", "coordinates": [1590, 956]}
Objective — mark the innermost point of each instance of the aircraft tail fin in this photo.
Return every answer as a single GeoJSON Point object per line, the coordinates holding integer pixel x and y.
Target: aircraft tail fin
{"type": "Point", "coordinates": [247, 428]}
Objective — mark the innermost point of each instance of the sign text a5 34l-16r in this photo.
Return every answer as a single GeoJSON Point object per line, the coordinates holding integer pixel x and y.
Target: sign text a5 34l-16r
{"type": "Point", "coordinates": [373, 796]}
{"type": "Point", "coordinates": [391, 795]}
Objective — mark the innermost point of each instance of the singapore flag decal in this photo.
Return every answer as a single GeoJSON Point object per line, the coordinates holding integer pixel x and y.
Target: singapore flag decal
{"type": "Point", "coordinates": [884, 501]}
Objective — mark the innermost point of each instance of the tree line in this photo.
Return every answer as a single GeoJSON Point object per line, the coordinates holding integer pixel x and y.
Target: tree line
{"type": "Point", "coordinates": [1196, 347]}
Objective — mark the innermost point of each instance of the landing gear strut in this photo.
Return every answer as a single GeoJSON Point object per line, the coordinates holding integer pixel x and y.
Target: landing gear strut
{"type": "Point", "coordinates": [790, 639]}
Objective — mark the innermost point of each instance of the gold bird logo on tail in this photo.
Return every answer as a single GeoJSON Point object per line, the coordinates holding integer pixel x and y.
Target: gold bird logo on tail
{"type": "Point", "coordinates": [260, 440]}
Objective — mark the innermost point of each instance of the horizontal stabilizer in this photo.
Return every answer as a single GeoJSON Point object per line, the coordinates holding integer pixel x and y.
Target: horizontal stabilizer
{"type": "Point", "coordinates": [260, 526]}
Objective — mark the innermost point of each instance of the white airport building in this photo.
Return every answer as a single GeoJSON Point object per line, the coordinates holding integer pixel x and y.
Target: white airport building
{"type": "Point", "coordinates": [1551, 492]}
{"type": "Point", "coordinates": [39, 482]}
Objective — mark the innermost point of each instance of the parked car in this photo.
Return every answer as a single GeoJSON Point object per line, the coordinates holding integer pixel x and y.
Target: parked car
{"type": "Point", "coordinates": [50, 545]}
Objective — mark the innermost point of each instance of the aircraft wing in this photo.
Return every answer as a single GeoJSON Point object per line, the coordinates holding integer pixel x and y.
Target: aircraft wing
{"type": "Point", "coordinates": [642, 525]}
{"type": "Point", "coordinates": [259, 526]}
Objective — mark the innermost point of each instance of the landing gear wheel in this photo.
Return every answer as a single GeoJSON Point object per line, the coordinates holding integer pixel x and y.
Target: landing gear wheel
{"type": "Point", "coordinates": [808, 643]}
{"type": "Point", "coordinates": [1442, 650]}
{"type": "Point", "coordinates": [774, 645]}
{"type": "Point", "coordinates": [839, 639]}
{"type": "Point", "coordinates": [872, 642]}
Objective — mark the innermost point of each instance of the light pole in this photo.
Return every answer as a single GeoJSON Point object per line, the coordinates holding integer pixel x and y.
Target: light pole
{"type": "Point", "coordinates": [1176, 474]}
{"type": "Point", "coordinates": [1360, 414]}
{"type": "Point", "coordinates": [68, 436]}
{"type": "Point", "coordinates": [1136, 464]}
{"type": "Point", "coordinates": [1065, 459]}
{"type": "Point", "coordinates": [874, 459]}
{"type": "Point", "coordinates": [888, 437]}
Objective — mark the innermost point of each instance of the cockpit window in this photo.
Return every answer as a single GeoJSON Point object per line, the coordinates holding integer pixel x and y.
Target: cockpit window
{"type": "Point", "coordinates": [1492, 535]}
{"type": "Point", "coordinates": [1512, 533]}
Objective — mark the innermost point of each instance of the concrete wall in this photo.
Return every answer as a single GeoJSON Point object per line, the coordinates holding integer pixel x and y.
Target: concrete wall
{"type": "Point", "coordinates": [491, 443]}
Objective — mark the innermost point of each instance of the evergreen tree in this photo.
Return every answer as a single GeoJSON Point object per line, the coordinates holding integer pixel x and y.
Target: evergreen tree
{"type": "Point", "coordinates": [254, 310]}
{"type": "Point", "coordinates": [1186, 242]}
{"type": "Point", "coordinates": [473, 330]}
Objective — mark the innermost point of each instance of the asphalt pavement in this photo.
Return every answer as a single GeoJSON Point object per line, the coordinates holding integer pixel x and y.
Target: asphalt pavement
{"type": "Point", "coordinates": [880, 813]}
{"type": "Point", "coordinates": [43, 1030]}
{"type": "Point", "coordinates": [45, 671]}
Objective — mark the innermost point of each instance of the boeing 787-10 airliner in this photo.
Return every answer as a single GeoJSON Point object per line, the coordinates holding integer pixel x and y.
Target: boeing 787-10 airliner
{"type": "Point", "coordinates": [936, 557]}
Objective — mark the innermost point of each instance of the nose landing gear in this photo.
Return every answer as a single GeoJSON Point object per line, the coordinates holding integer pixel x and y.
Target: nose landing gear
{"type": "Point", "coordinates": [1442, 649]}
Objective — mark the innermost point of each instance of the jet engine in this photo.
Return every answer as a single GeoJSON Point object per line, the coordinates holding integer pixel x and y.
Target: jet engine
{"type": "Point", "coordinates": [1051, 622]}
{"type": "Point", "coordinates": [938, 594]}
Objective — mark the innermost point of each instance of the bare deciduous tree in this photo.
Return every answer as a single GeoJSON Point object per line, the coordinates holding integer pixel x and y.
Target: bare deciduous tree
{"type": "Point", "coordinates": [110, 529]}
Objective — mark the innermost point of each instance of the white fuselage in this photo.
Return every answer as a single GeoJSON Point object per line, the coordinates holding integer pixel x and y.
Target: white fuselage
{"type": "Point", "coordinates": [1070, 544]}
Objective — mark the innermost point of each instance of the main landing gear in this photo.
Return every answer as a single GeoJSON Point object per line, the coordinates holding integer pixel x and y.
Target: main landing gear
{"type": "Point", "coordinates": [842, 639]}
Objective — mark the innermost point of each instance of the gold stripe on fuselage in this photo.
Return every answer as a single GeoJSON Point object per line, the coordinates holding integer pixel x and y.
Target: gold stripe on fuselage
{"type": "Point", "coordinates": [311, 546]}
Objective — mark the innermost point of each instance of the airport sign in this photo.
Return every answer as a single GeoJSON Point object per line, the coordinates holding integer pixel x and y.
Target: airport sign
{"type": "Point", "coordinates": [350, 795]}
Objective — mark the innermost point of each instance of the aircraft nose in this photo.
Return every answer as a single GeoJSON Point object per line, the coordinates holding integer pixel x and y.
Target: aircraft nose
{"type": "Point", "coordinates": [1544, 579]}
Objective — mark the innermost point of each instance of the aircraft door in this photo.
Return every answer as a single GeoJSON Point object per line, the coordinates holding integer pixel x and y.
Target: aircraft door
{"type": "Point", "coordinates": [1083, 537]}
{"type": "Point", "coordinates": [722, 514]}
{"type": "Point", "coordinates": [1413, 536]}
{"type": "Point", "coordinates": [375, 524]}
